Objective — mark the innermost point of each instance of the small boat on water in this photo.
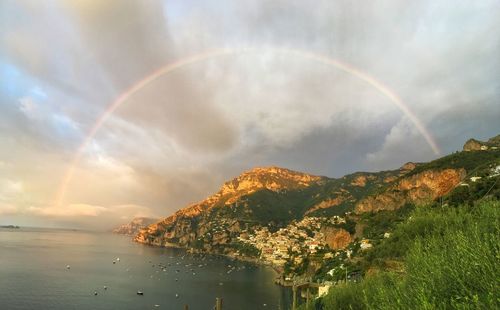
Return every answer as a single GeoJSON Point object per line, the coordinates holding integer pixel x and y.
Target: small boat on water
{"type": "Point", "coordinates": [95, 293]}
{"type": "Point", "coordinates": [140, 293]}
{"type": "Point", "coordinates": [68, 267]}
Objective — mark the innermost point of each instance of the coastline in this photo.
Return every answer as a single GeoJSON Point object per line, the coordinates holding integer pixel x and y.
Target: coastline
{"type": "Point", "coordinates": [278, 272]}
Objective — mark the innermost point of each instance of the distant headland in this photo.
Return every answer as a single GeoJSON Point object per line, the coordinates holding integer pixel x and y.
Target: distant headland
{"type": "Point", "coordinates": [10, 226]}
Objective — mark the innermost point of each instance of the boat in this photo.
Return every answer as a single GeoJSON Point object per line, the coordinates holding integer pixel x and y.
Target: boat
{"type": "Point", "coordinates": [140, 293]}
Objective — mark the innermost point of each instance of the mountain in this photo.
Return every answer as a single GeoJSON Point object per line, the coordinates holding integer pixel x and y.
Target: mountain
{"type": "Point", "coordinates": [476, 145]}
{"type": "Point", "coordinates": [134, 226]}
{"type": "Point", "coordinates": [274, 199]}
{"type": "Point", "coordinates": [265, 196]}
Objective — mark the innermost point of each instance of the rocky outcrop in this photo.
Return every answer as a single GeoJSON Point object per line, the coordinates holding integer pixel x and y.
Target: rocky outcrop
{"type": "Point", "coordinates": [336, 238]}
{"type": "Point", "coordinates": [418, 188]}
{"type": "Point", "coordinates": [409, 166]}
{"type": "Point", "coordinates": [476, 145]}
{"type": "Point", "coordinates": [359, 181]}
{"type": "Point", "coordinates": [494, 140]}
{"type": "Point", "coordinates": [134, 226]}
{"type": "Point", "coordinates": [325, 204]}
{"type": "Point", "coordinates": [473, 145]}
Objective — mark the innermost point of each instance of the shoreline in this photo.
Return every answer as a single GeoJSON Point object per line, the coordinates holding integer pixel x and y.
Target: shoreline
{"type": "Point", "coordinates": [278, 273]}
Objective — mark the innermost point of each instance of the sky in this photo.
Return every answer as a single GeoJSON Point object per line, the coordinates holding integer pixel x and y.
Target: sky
{"type": "Point", "coordinates": [176, 139]}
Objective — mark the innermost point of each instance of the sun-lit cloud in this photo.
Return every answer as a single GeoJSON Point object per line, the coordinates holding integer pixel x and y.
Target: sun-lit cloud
{"type": "Point", "coordinates": [177, 139]}
{"type": "Point", "coordinates": [73, 210]}
{"type": "Point", "coordinates": [7, 209]}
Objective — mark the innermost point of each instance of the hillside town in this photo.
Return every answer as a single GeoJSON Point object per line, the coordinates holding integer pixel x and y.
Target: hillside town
{"type": "Point", "coordinates": [291, 242]}
{"type": "Point", "coordinates": [287, 248]}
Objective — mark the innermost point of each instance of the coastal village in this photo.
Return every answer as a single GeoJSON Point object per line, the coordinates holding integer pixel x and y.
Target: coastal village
{"type": "Point", "coordinates": [290, 243]}
{"type": "Point", "coordinates": [288, 248]}
{"type": "Point", "coordinates": [254, 217]}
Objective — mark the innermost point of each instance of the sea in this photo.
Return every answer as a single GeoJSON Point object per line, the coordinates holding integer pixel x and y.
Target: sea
{"type": "Point", "coordinates": [67, 269]}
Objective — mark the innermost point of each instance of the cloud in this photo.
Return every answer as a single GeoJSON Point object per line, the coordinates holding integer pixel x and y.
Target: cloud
{"type": "Point", "coordinates": [177, 139]}
{"type": "Point", "coordinates": [401, 143]}
{"type": "Point", "coordinates": [10, 188]}
{"type": "Point", "coordinates": [73, 210]}
{"type": "Point", "coordinates": [6, 209]}
{"type": "Point", "coordinates": [28, 107]}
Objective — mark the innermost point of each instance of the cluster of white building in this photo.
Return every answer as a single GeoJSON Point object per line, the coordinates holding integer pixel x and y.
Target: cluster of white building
{"type": "Point", "coordinates": [289, 243]}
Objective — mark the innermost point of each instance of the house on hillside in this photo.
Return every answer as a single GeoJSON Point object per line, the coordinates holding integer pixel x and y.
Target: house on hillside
{"type": "Point", "coordinates": [365, 244]}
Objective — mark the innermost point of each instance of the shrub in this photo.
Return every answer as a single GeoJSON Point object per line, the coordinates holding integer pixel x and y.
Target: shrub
{"type": "Point", "coordinates": [451, 262]}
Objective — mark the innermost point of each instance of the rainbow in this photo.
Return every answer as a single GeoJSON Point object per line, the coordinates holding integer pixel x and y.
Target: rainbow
{"type": "Point", "coordinates": [171, 67]}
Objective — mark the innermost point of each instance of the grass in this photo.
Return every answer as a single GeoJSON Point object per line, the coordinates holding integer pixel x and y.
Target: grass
{"type": "Point", "coordinates": [452, 261]}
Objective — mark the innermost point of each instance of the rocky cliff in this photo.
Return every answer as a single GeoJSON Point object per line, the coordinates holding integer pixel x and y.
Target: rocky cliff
{"type": "Point", "coordinates": [268, 196]}
{"type": "Point", "coordinates": [134, 226]}
{"type": "Point", "coordinates": [226, 212]}
{"type": "Point", "coordinates": [336, 238]}
{"type": "Point", "coordinates": [273, 197]}
{"type": "Point", "coordinates": [476, 145]}
{"type": "Point", "coordinates": [419, 188]}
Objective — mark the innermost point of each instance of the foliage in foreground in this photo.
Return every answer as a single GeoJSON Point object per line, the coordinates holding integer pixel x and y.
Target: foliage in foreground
{"type": "Point", "coordinates": [454, 262]}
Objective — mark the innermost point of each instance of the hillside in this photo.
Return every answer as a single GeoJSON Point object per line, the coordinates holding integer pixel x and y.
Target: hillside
{"type": "Point", "coordinates": [305, 225]}
{"type": "Point", "coordinates": [134, 226]}
{"type": "Point", "coordinates": [268, 196]}
{"type": "Point", "coordinates": [448, 259]}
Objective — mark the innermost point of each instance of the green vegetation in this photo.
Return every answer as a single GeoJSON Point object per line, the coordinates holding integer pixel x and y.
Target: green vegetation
{"type": "Point", "coordinates": [376, 224]}
{"type": "Point", "coordinates": [468, 194]}
{"type": "Point", "coordinates": [470, 161]}
{"type": "Point", "coordinates": [246, 249]}
{"type": "Point", "coordinates": [451, 260]}
{"type": "Point", "coordinates": [279, 208]}
{"type": "Point", "coordinates": [349, 225]}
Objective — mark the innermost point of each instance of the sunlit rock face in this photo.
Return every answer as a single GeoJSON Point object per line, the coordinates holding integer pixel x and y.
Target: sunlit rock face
{"type": "Point", "coordinates": [262, 196]}
{"type": "Point", "coordinates": [476, 145]}
{"type": "Point", "coordinates": [274, 197]}
{"type": "Point", "coordinates": [336, 238]}
{"type": "Point", "coordinates": [134, 226]}
{"type": "Point", "coordinates": [472, 145]}
{"type": "Point", "coordinates": [329, 203]}
{"type": "Point", "coordinates": [185, 225]}
{"type": "Point", "coordinates": [419, 188]}
{"type": "Point", "coordinates": [359, 181]}
{"type": "Point", "coordinates": [409, 166]}
{"type": "Point", "coordinates": [271, 178]}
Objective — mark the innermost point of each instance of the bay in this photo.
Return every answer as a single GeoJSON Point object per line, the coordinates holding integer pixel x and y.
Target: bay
{"type": "Point", "coordinates": [34, 275]}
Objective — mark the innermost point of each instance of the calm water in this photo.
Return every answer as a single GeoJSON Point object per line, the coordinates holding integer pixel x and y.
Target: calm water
{"type": "Point", "coordinates": [33, 275]}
